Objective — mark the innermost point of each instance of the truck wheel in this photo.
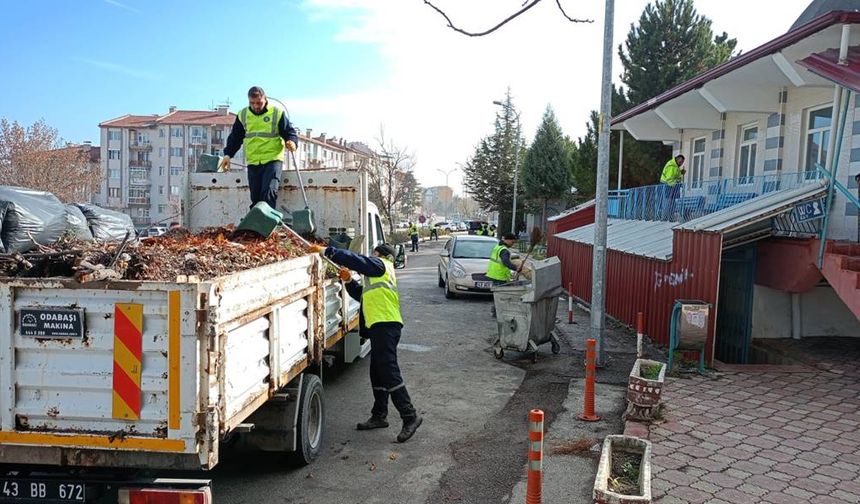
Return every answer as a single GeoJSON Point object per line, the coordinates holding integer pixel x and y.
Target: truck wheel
{"type": "Point", "coordinates": [311, 421]}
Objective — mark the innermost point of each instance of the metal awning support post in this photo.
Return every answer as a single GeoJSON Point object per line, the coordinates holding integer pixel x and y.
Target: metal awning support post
{"type": "Point", "coordinates": [620, 156]}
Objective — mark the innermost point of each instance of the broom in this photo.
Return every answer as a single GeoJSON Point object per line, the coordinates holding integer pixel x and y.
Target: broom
{"type": "Point", "coordinates": [535, 237]}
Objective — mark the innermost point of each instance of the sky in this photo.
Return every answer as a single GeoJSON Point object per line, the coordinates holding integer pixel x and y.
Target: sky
{"type": "Point", "coordinates": [348, 68]}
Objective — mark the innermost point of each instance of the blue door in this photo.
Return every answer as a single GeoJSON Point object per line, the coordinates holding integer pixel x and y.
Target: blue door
{"type": "Point", "coordinates": [734, 313]}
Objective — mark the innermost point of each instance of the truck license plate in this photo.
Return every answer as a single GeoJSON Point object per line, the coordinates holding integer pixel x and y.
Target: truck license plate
{"type": "Point", "coordinates": [26, 490]}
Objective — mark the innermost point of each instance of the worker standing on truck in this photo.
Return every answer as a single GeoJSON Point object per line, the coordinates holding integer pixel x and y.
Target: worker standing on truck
{"type": "Point", "coordinates": [264, 131]}
{"type": "Point", "coordinates": [413, 235]}
{"type": "Point", "coordinates": [381, 322]}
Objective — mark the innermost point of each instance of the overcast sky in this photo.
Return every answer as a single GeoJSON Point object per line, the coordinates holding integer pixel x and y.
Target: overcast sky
{"type": "Point", "coordinates": [343, 67]}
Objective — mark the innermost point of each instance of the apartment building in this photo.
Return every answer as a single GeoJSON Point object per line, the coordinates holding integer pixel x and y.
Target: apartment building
{"type": "Point", "coordinates": [145, 159]}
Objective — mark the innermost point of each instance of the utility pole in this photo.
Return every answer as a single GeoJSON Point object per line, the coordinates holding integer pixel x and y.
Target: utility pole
{"type": "Point", "coordinates": [598, 286]}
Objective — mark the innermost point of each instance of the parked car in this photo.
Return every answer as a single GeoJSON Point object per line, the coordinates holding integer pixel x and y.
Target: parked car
{"type": "Point", "coordinates": [463, 264]}
{"type": "Point", "coordinates": [156, 230]}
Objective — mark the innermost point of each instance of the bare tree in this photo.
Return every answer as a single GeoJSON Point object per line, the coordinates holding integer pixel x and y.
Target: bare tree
{"type": "Point", "coordinates": [35, 157]}
{"type": "Point", "coordinates": [528, 4]}
{"type": "Point", "coordinates": [392, 184]}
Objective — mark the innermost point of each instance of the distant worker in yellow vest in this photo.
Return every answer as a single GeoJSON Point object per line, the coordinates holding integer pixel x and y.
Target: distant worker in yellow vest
{"type": "Point", "coordinates": [264, 131]}
{"type": "Point", "coordinates": [671, 182]}
{"type": "Point", "coordinates": [413, 235]}
{"type": "Point", "coordinates": [381, 322]}
{"type": "Point", "coordinates": [672, 171]}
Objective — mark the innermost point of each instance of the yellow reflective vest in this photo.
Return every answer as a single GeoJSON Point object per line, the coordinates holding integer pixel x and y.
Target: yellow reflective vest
{"type": "Point", "coordinates": [263, 142]}
{"type": "Point", "coordinates": [496, 269]}
{"type": "Point", "coordinates": [380, 301]}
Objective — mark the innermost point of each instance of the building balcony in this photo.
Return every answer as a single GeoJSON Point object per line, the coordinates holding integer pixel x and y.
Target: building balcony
{"type": "Point", "coordinates": [139, 182]}
{"type": "Point", "coordinates": [139, 163]}
{"type": "Point", "coordinates": [197, 140]}
{"type": "Point", "coordinates": [138, 200]}
{"type": "Point", "coordinates": [217, 141]}
{"type": "Point", "coordinates": [687, 201]}
{"type": "Point", "coordinates": [140, 145]}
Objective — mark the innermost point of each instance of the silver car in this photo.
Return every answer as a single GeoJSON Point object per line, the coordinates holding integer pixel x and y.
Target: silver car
{"type": "Point", "coordinates": [463, 265]}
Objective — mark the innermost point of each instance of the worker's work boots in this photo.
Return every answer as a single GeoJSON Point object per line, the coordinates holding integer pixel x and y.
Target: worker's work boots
{"type": "Point", "coordinates": [409, 427]}
{"type": "Point", "coordinates": [374, 422]}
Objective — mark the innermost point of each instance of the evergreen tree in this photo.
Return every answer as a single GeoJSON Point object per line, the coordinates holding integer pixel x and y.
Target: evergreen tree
{"type": "Point", "coordinates": [671, 44]}
{"type": "Point", "coordinates": [546, 168]}
{"type": "Point", "coordinates": [489, 174]}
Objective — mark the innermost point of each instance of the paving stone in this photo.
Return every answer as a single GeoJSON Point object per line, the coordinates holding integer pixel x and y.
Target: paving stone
{"type": "Point", "coordinates": [691, 495]}
{"type": "Point", "coordinates": [706, 487]}
{"type": "Point", "coordinates": [768, 483]}
{"type": "Point", "coordinates": [814, 486]}
{"type": "Point", "coordinates": [799, 493]}
{"type": "Point", "coordinates": [783, 498]}
{"type": "Point", "coordinates": [752, 489]}
{"type": "Point", "coordinates": [677, 478]}
{"type": "Point", "coordinates": [736, 473]}
{"type": "Point", "coordinates": [723, 480]}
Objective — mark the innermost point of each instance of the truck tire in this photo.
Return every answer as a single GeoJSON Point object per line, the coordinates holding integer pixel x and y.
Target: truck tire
{"type": "Point", "coordinates": [311, 421]}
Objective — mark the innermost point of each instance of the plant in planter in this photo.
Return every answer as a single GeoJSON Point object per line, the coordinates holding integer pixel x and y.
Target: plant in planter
{"type": "Point", "coordinates": [624, 473]}
{"type": "Point", "coordinates": [644, 387]}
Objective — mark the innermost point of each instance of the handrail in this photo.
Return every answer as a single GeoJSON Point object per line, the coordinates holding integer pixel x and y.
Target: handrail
{"type": "Point", "coordinates": [834, 184]}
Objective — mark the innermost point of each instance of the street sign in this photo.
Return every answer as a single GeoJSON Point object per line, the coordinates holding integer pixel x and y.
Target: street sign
{"type": "Point", "coordinates": [422, 219]}
{"type": "Point", "coordinates": [809, 210]}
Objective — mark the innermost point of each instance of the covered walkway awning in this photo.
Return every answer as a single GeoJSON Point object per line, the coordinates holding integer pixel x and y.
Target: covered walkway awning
{"type": "Point", "coordinates": [748, 221]}
{"type": "Point", "coordinates": [751, 82]}
{"type": "Point", "coordinates": [826, 64]}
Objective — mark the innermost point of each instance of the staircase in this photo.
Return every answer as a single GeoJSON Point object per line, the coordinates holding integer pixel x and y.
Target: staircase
{"type": "Point", "coordinates": [841, 268]}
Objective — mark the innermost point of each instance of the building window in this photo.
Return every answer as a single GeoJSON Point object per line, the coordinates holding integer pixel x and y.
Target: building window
{"type": "Point", "coordinates": [113, 173]}
{"type": "Point", "coordinates": [143, 212]}
{"type": "Point", "coordinates": [161, 152]}
{"type": "Point", "coordinates": [114, 135]}
{"type": "Point", "coordinates": [113, 154]}
{"type": "Point", "coordinates": [176, 151]}
{"type": "Point", "coordinates": [698, 170]}
{"type": "Point", "coordinates": [174, 190]}
{"type": "Point", "coordinates": [175, 171]}
{"type": "Point", "coordinates": [160, 132]}
{"type": "Point", "coordinates": [218, 134]}
{"type": "Point", "coordinates": [817, 139]}
{"type": "Point", "coordinates": [176, 132]}
{"type": "Point", "coordinates": [162, 209]}
{"type": "Point", "coordinates": [746, 159]}
{"type": "Point", "coordinates": [113, 192]}
{"type": "Point", "coordinates": [161, 189]}
{"type": "Point", "coordinates": [160, 171]}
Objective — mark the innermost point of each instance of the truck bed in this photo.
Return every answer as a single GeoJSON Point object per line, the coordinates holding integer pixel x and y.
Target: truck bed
{"type": "Point", "coordinates": [159, 371]}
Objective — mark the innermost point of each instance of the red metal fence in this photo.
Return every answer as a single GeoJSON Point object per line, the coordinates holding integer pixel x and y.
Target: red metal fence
{"type": "Point", "coordinates": [636, 283]}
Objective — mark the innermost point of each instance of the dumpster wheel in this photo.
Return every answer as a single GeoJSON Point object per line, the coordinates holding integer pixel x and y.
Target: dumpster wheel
{"type": "Point", "coordinates": [556, 346]}
{"type": "Point", "coordinates": [498, 351]}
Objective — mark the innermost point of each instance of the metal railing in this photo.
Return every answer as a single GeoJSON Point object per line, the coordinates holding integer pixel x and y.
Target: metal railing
{"type": "Point", "coordinates": [140, 144]}
{"type": "Point", "coordinates": [682, 202]}
{"type": "Point", "coordinates": [139, 163]}
{"type": "Point", "coordinates": [137, 200]}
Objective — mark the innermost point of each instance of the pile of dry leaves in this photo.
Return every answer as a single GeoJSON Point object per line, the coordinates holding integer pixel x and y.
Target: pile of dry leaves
{"type": "Point", "coordinates": [212, 252]}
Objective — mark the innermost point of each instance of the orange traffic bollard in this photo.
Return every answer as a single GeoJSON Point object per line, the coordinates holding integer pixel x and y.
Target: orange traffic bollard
{"type": "Point", "coordinates": [640, 330]}
{"type": "Point", "coordinates": [535, 473]}
{"type": "Point", "coordinates": [570, 303]}
{"type": "Point", "coordinates": [590, 370]}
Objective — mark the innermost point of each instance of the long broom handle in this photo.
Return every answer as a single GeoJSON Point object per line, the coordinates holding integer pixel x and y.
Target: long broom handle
{"type": "Point", "coordinates": [299, 175]}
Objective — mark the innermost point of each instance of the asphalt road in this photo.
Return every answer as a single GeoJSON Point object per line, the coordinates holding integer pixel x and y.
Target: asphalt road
{"type": "Point", "coordinates": [471, 447]}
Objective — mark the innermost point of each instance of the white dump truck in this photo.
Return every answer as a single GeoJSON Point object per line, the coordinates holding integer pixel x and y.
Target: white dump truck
{"type": "Point", "coordinates": [102, 383]}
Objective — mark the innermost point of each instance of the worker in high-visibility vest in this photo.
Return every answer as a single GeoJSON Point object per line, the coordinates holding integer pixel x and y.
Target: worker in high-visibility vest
{"type": "Point", "coordinates": [381, 322]}
{"type": "Point", "coordinates": [500, 266]}
{"type": "Point", "coordinates": [264, 131]}
{"type": "Point", "coordinates": [413, 235]}
{"type": "Point", "coordinates": [671, 182]}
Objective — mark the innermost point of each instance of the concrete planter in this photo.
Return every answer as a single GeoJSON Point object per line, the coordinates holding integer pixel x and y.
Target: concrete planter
{"type": "Point", "coordinates": [641, 448]}
{"type": "Point", "coordinates": [642, 391]}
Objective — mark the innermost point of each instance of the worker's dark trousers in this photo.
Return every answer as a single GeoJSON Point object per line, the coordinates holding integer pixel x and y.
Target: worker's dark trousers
{"type": "Point", "coordinates": [385, 372]}
{"type": "Point", "coordinates": [414, 243]}
{"type": "Point", "coordinates": [264, 181]}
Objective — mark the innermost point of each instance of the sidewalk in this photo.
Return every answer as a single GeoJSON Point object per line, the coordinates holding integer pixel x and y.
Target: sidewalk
{"type": "Point", "coordinates": [569, 464]}
{"type": "Point", "coordinates": [777, 434]}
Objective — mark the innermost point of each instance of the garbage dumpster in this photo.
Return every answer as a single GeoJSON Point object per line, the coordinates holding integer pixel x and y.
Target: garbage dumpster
{"type": "Point", "coordinates": [525, 311]}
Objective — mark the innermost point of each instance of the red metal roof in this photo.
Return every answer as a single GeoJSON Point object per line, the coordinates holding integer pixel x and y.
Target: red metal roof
{"type": "Point", "coordinates": [775, 45]}
{"type": "Point", "coordinates": [191, 117]}
{"type": "Point", "coordinates": [826, 64]}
